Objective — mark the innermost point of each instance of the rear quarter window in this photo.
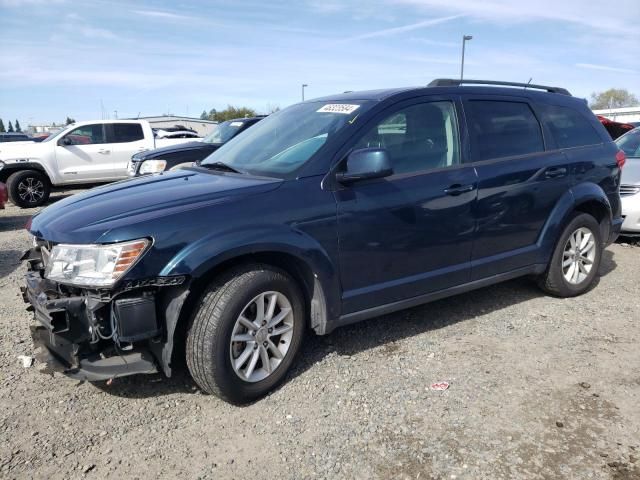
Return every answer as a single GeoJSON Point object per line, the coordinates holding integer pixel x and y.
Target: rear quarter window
{"type": "Point", "coordinates": [124, 132]}
{"type": "Point", "coordinates": [569, 127]}
{"type": "Point", "coordinates": [501, 128]}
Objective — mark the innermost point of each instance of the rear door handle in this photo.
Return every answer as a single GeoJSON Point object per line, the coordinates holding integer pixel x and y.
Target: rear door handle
{"type": "Point", "coordinates": [458, 189]}
{"type": "Point", "coordinates": [555, 172]}
{"type": "Point", "coordinates": [104, 152]}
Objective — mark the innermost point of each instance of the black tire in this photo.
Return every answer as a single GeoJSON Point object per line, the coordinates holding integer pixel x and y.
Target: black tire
{"type": "Point", "coordinates": [28, 188]}
{"type": "Point", "coordinates": [553, 280]}
{"type": "Point", "coordinates": [208, 348]}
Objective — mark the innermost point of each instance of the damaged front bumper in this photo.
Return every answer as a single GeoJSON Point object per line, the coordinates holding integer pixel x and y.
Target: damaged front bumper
{"type": "Point", "coordinates": [97, 335]}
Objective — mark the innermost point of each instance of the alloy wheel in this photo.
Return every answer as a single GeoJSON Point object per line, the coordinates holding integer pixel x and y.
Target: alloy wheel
{"type": "Point", "coordinates": [578, 256]}
{"type": "Point", "coordinates": [261, 336]}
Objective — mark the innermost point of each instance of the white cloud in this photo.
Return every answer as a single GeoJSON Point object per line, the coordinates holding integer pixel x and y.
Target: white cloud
{"type": "Point", "coordinates": [405, 28]}
{"type": "Point", "coordinates": [599, 15]}
{"type": "Point", "coordinates": [164, 15]}
{"type": "Point", "coordinates": [606, 68]}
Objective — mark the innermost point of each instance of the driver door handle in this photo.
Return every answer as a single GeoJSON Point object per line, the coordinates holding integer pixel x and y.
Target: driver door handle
{"type": "Point", "coordinates": [104, 151]}
{"type": "Point", "coordinates": [458, 189]}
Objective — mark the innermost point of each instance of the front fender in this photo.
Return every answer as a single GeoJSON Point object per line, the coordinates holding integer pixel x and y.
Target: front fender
{"type": "Point", "coordinates": [201, 257]}
{"type": "Point", "coordinates": [13, 165]}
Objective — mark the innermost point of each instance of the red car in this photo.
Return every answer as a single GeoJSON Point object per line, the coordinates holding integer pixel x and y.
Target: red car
{"type": "Point", "coordinates": [615, 129]}
{"type": "Point", "coordinates": [4, 196]}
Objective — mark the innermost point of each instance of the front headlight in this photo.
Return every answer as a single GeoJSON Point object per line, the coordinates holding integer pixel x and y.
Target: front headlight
{"type": "Point", "coordinates": [93, 265]}
{"type": "Point", "coordinates": [152, 166]}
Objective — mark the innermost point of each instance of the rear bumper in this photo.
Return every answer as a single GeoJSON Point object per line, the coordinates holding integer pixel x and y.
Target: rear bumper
{"type": "Point", "coordinates": [616, 225]}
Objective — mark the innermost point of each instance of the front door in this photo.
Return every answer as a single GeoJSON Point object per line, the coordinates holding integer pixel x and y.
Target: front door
{"type": "Point", "coordinates": [411, 233]}
{"type": "Point", "coordinates": [83, 155]}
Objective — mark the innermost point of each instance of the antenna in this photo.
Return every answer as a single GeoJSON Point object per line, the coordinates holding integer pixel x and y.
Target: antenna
{"type": "Point", "coordinates": [528, 83]}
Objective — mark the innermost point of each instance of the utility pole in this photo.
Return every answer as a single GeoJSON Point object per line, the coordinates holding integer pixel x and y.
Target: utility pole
{"type": "Point", "coordinates": [303, 87]}
{"type": "Point", "coordinates": [465, 38]}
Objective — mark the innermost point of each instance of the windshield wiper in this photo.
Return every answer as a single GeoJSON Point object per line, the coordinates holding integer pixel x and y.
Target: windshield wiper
{"type": "Point", "coordinates": [220, 166]}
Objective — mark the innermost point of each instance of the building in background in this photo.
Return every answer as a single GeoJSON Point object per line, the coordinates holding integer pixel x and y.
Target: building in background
{"type": "Point", "coordinates": [622, 115]}
{"type": "Point", "coordinates": [201, 127]}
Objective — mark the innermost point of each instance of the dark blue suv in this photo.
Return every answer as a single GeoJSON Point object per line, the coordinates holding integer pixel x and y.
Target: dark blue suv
{"type": "Point", "coordinates": [326, 213]}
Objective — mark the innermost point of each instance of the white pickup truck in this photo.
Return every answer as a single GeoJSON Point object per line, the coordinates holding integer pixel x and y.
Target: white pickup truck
{"type": "Point", "coordinates": [85, 152]}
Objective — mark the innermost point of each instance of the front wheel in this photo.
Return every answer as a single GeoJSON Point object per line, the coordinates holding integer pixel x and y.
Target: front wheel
{"type": "Point", "coordinates": [245, 333]}
{"type": "Point", "coordinates": [28, 188]}
{"type": "Point", "coordinates": [576, 258]}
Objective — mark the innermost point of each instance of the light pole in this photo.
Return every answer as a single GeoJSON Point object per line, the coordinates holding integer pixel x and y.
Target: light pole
{"type": "Point", "coordinates": [303, 86]}
{"type": "Point", "coordinates": [464, 40]}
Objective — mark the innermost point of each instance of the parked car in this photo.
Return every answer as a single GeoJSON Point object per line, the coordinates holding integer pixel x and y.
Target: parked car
{"type": "Point", "coordinates": [629, 143]}
{"type": "Point", "coordinates": [15, 137]}
{"type": "Point", "coordinates": [4, 196]}
{"type": "Point", "coordinates": [85, 152]}
{"type": "Point", "coordinates": [178, 156]}
{"type": "Point", "coordinates": [615, 129]}
{"type": "Point", "coordinates": [326, 213]}
{"type": "Point", "coordinates": [175, 132]}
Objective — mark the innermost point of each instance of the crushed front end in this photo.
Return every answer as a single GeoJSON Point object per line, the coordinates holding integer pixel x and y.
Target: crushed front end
{"type": "Point", "coordinates": [100, 332]}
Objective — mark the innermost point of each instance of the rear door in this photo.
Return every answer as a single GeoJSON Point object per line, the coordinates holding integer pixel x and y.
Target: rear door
{"type": "Point", "coordinates": [82, 155]}
{"type": "Point", "coordinates": [521, 176]}
{"type": "Point", "coordinates": [411, 233]}
{"type": "Point", "coordinates": [125, 140]}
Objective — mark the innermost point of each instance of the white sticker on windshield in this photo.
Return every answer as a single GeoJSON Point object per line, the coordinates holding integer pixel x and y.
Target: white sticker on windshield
{"type": "Point", "coordinates": [338, 108]}
{"type": "Point", "coordinates": [235, 124]}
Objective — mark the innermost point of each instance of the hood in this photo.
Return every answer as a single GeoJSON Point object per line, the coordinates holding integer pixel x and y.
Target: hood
{"type": "Point", "coordinates": [631, 171]}
{"type": "Point", "coordinates": [19, 150]}
{"type": "Point", "coordinates": [112, 212]}
{"type": "Point", "coordinates": [177, 148]}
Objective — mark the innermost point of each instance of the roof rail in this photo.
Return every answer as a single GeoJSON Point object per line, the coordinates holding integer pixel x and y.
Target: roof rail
{"type": "Point", "coordinates": [451, 82]}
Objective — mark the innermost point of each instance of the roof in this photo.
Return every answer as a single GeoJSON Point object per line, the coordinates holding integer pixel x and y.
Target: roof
{"type": "Point", "coordinates": [169, 118]}
{"type": "Point", "coordinates": [449, 86]}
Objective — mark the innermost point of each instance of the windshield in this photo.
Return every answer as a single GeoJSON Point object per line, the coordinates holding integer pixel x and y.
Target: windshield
{"type": "Point", "coordinates": [224, 132]}
{"type": "Point", "coordinates": [630, 143]}
{"type": "Point", "coordinates": [285, 140]}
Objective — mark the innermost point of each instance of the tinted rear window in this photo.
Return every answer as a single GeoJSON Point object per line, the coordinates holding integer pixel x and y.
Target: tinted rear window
{"type": "Point", "coordinates": [125, 132]}
{"type": "Point", "coordinates": [503, 129]}
{"type": "Point", "coordinates": [569, 127]}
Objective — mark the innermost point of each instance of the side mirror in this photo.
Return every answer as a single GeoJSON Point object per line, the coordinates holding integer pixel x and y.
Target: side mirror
{"type": "Point", "coordinates": [366, 164]}
{"type": "Point", "coordinates": [65, 141]}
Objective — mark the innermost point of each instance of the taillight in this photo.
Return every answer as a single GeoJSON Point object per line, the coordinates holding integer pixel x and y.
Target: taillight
{"type": "Point", "coordinates": [621, 158]}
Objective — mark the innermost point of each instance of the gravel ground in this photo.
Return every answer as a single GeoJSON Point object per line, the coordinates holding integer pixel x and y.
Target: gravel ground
{"type": "Point", "coordinates": [540, 388]}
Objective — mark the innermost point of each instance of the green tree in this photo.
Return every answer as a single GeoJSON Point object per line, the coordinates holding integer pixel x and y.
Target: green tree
{"type": "Point", "coordinates": [2, 129]}
{"type": "Point", "coordinates": [18, 127]}
{"type": "Point", "coordinates": [204, 115]}
{"type": "Point", "coordinates": [233, 112]}
{"type": "Point", "coordinates": [613, 98]}
{"type": "Point", "coordinates": [10, 128]}
{"type": "Point", "coordinates": [69, 121]}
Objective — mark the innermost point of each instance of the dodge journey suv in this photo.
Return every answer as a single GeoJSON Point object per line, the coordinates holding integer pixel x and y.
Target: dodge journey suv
{"type": "Point", "coordinates": [326, 213]}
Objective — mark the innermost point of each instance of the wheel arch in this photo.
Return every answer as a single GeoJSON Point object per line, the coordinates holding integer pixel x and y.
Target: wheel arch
{"type": "Point", "coordinates": [317, 295]}
{"type": "Point", "coordinates": [587, 198]}
{"type": "Point", "coordinates": [10, 169]}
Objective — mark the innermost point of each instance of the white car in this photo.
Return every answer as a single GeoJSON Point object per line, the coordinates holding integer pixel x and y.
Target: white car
{"type": "Point", "coordinates": [629, 143]}
{"type": "Point", "coordinates": [85, 152]}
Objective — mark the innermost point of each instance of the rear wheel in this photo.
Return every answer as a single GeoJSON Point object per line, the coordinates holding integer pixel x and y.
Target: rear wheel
{"type": "Point", "coordinates": [245, 333]}
{"type": "Point", "coordinates": [576, 258]}
{"type": "Point", "coordinates": [28, 188]}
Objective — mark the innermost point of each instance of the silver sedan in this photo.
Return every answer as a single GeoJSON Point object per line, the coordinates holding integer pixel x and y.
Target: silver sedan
{"type": "Point", "coordinates": [629, 143]}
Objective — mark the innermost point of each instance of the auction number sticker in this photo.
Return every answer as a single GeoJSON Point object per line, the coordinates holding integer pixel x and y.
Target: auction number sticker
{"type": "Point", "coordinates": [338, 108]}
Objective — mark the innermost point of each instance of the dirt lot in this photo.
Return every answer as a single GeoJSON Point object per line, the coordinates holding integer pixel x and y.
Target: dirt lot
{"type": "Point", "coordinates": [540, 388]}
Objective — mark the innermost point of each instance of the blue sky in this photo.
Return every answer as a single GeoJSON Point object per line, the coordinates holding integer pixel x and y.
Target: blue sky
{"type": "Point", "coordinates": [64, 57]}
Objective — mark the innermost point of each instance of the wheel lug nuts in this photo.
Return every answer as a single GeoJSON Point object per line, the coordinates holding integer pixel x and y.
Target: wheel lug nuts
{"type": "Point", "coordinates": [270, 330]}
{"type": "Point", "coordinates": [255, 347]}
{"type": "Point", "coordinates": [264, 344]}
